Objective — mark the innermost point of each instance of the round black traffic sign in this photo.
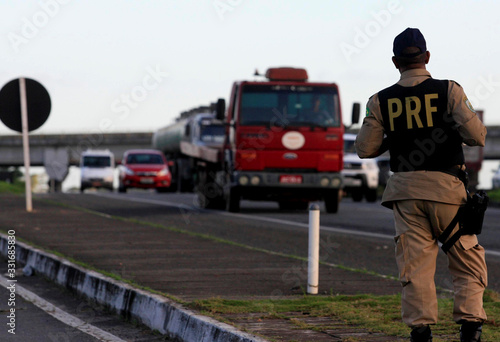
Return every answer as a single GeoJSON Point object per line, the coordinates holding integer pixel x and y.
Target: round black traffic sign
{"type": "Point", "coordinates": [38, 103]}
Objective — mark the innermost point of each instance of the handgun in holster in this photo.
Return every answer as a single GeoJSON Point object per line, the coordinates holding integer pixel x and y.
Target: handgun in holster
{"type": "Point", "coordinates": [470, 216]}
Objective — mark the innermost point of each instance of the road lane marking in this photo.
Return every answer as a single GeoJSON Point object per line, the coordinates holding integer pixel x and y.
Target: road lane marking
{"type": "Point", "coordinates": [61, 315]}
{"type": "Point", "coordinates": [251, 217]}
{"type": "Point", "coordinates": [348, 231]}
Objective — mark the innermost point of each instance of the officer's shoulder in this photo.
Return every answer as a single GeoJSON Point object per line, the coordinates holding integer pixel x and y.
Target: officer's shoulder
{"type": "Point", "coordinates": [380, 91]}
{"type": "Point", "coordinates": [455, 82]}
{"type": "Point", "coordinates": [372, 98]}
{"type": "Point", "coordinates": [450, 83]}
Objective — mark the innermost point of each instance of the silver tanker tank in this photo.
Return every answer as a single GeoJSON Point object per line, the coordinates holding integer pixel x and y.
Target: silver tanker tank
{"type": "Point", "coordinates": [192, 137]}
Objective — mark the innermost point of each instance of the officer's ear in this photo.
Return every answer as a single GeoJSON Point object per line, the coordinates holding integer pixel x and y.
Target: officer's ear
{"type": "Point", "coordinates": [427, 57]}
{"type": "Point", "coordinates": [396, 64]}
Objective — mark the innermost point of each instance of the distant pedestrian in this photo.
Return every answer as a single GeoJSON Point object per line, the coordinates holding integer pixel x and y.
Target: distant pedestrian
{"type": "Point", "coordinates": [423, 123]}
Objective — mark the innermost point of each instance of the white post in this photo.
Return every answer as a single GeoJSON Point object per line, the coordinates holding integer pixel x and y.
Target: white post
{"type": "Point", "coordinates": [26, 148]}
{"type": "Point", "coordinates": [313, 255]}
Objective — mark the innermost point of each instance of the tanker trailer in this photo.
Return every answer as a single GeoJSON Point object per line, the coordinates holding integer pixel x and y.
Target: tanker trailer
{"type": "Point", "coordinates": [191, 137]}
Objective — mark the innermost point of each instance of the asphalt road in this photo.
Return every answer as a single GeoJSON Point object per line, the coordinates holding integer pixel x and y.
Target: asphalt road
{"type": "Point", "coordinates": [44, 312]}
{"type": "Point", "coordinates": [359, 236]}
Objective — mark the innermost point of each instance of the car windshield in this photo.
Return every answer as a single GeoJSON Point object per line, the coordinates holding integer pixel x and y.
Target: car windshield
{"type": "Point", "coordinates": [284, 106]}
{"type": "Point", "coordinates": [144, 158]}
{"type": "Point", "coordinates": [349, 146]}
{"type": "Point", "coordinates": [96, 161]}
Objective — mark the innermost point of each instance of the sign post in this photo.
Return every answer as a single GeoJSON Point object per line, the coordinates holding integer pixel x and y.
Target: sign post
{"type": "Point", "coordinates": [26, 146]}
{"type": "Point", "coordinates": [24, 106]}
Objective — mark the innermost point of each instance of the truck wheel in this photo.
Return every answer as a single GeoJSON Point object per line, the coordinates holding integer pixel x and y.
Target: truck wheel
{"type": "Point", "coordinates": [122, 188]}
{"type": "Point", "coordinates": [371, 195]}
{"type": "Point", "coordinates": [210, 202]}
{"type": "Point", "coordinates": [185, 186]}
{"type": "Point", "coordinates": [332, 202]}
{"type": "Point", "coordinates": [233, 201]}
{"type": "Point", "coordinates": [200, 193]}
{"type": "Point", "coordinates": [209, 194]}
{"type": "Point", "coordinates": [204, 201]}
{"type": "Point", "coordinates": [357, 195]}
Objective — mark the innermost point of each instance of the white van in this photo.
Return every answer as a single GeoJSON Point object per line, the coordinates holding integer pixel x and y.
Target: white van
{"type": "Point", "coordinates": [97, 169]}
{"type": "Point", "coordinates": [361, 176]}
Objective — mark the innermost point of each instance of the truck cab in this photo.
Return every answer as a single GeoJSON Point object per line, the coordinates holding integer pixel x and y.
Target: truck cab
{"type": "Point", "coordinates": [283, 143]}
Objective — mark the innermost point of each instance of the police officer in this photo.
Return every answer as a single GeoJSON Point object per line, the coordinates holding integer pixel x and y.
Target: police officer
{"type": "Point", "coordinates": [423, 122]}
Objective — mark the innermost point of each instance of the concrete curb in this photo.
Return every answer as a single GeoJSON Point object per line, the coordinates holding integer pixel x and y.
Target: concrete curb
{"type": "Point", "coordinates": [156, 312]}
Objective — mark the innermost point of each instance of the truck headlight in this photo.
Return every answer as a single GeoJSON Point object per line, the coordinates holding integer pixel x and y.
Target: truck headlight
{"type": "Point", "coordinates": [336, 182]}
{"type": "Point", "coordinates": [255, 180]}
{"type": "Point", "coordinates": [324, 181]}
{"type": "Point", "coordinates": [243, 180]}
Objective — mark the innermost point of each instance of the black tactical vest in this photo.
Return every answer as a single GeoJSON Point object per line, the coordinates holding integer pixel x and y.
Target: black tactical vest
{"type": "Point", "coordinates": [422, 134]}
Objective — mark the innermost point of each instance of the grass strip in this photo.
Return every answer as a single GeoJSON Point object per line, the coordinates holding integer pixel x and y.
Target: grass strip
{"type": "Point", "coordinates": [13, 188]}
{"type": "Point", "coordinates": [380, 314]}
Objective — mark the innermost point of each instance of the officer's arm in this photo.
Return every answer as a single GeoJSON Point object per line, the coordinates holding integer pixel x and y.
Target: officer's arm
{"type": "Point", "coordinates": [369, 142]}
{"type": "Point", "coordinates": [470, 127]}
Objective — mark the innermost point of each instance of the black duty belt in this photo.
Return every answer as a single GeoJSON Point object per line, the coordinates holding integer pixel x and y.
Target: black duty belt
{"type": "Point", "coordinates": [457, 171]}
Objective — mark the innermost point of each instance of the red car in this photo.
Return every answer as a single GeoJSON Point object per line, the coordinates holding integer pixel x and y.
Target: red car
{"type": "Point", "coordinates": [147, 169]}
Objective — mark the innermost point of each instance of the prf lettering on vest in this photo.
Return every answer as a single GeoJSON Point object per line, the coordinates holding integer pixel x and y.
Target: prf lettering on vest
{"type": "Point", "coordinates": [413, 109]}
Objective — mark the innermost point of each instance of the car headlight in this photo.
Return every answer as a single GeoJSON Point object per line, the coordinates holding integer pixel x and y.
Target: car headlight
{"type": "Point", "coordinates": [163, 172]}
{"type": "Point", "coordinates": [369, 166]}
{"type": "Point", "coordinates": [128, 171]}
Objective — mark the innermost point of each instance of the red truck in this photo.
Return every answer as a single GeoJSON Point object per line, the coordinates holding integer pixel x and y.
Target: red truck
{"type": "Point", "coordinates": [283, 142]}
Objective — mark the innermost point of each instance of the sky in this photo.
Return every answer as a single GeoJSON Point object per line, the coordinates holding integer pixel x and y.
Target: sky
{"type": "Point", "coordinates": [133, 66]}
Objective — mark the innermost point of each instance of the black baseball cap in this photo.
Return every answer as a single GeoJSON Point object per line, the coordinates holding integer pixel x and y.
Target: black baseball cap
{"type": "Point", "coordinates": [411, 37]}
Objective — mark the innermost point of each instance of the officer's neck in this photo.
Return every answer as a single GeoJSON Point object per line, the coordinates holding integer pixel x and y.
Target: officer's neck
{"type": "Point", "coordinates": [412, 66]}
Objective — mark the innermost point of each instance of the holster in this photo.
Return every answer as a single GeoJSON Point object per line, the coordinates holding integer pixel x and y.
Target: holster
{"type": "Point", "coordinates": [470, 216]}
{"type": "Point", "coordinates": [473, 213]}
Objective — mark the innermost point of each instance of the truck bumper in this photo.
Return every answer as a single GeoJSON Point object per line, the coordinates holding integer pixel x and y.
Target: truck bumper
{"type": "Point", "coordinates": [275, 186]}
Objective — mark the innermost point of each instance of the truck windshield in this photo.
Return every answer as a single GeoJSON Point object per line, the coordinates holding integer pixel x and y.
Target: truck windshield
{"type": "Point", "coordinates": [212, 134]}
{"type": "Point", "coordinates": [96, 161]}
{"type": "Point", "coordinates": [289, 105]}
